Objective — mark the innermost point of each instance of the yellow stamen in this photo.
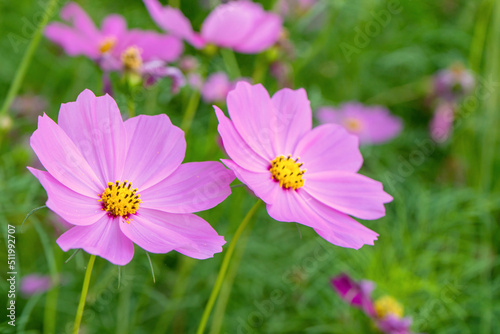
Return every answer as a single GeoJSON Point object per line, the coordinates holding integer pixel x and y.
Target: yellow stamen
{"type": "Point", "coordinates": [120, 199]}
{"type": "Point", "coordinates": [387, 305]}
{"type": "Point", "coordinates": [107, 45]}
{"type": "Point", "coordinates": [287, 172]}
{"type": "Point", "coordinates": [352, 124]}
{"type": "Point", "coordinates": [131, 58]}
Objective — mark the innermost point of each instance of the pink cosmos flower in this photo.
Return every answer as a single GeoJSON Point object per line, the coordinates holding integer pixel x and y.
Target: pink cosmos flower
{"type": "Point", "coordinates": [373, 125]}
{"type": "Point", "coordinates": [216, 87]}
{"type": "Point", "coordinates": [356, 294]}
{"type": "Point", "coordinates": [113, 47]}
{"type": "Point", "coordinates": [34, 283]}
{"type": "Point", "coordinates": [453, 83]}
{"type": "Point", "coordinates": [442, 122]}
{"type": "Point", "coordinates": [304, 175]}
{"type": "Point", "coordinates": [243, 26]}
{"type": "Point", "coordinates": [385, 312]}
{"type": "Point", "coordinates": [121, 183]}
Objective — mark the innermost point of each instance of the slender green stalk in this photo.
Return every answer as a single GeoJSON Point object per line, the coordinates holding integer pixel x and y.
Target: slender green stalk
{"type": "Point", "coordinates": [83, 297]}
{"type": "Point", "coordinates": [28, 55]}
{"type": "Point", "coordinates": [193, 103]}
{"type": "Point", "coordinates": [50, 313]}
{"type": "Point", "coordinates": [231, 63]}
{"type": "Point", "coordinates": [131, 106]}
{"type": "Point", "coordinates": [223, 269]}
{"type": "Point", "coordinates": [225, 293]}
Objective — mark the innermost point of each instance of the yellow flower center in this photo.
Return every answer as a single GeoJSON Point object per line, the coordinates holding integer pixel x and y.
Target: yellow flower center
{"type": "Point", "coordinates": [353, 124]}
{"type": "Point", "coordinates": [120, 199]}
{"type": "Point", "coordinates": [387, 305]}
{"type": "Point", "coordinates": [131, 58]}
{"type": "Point", "coordinates": [287, 172]}
{"type": "Point", "coordinates": [107, 45]}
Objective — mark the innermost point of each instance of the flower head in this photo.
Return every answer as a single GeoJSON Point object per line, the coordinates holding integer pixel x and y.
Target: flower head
{"type": "Point", "coordinates": [121, 183]}
{"type": "Point", "coordinates": [453, 83]}
{"type": "Point", "coordinates": [243, 26]}
{"type": "Point", "coordinates": [217, 86]}
{"type": "Point", "coordinates": [356, 294]}
{"type": "Point", "coordinates": [373, 125]}
{"type": "Point", "coordinates": [304, 175]}
{"type": "Point", "coordinates": [113, 47]}
{"type": "Point", "coordinates": [34, 283]}
{"type": "Point", "coordinates": [442, 122]}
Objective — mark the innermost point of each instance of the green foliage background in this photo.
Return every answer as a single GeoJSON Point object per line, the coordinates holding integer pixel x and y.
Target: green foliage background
{"type": "Point", "coordinates": [438, 247]}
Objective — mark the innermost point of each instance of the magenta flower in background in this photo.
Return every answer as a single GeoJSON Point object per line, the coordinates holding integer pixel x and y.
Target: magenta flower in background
{"type": "Point", "coordinates": [442, 122]}
{"type": "Point", "coordinates": [354, 293]}
{"type": "Point", "coordinates": [121, 183]}
{"type": "Point", "coordinates": [385, 312]}
{"type": "Point", "coordinates": [243, 26]}
{"type": "Point", "coordinates": [372, 125]}
{"type": "Point", "coordinates": [216, 87]}
{"type": "Point", "coordinates": [34, 283]}
{"type": "Point", "coordinates": [113, 47]}
{"type": "Point", "coordinates": [304, 175]}
{"type": "Point", "coordinates": [453, 83]}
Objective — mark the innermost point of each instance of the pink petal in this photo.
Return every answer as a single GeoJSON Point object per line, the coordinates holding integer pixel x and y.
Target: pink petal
{"type": "Point", "coordinates": [63, 160]}
{"type": "Point", "coordinates": [148, 230]}
{"type": "Point", "coordinates": [216, 87]}
{"type": "Point", "coordinates": [155, 149]}
{"type": "Point", "coordinates": [79, 18]}
{"type": "Point", "coordinates": [193, 187]}
{"type": "Point", "coordinates": [335, 227]}
{"type": "Point", "coordinates": [114, 26]}
{"type": "Point", "coordinates": [73, 207]}
{"type": "Point", "coordinates": [261, 184]}
{"type": "Point", "coordinates": [255, 118]}
{"type": "Point", "coordinates": [265, 33]}
{"type": "Point", "coordinates": [350, 193]}
{"type": "Point", "coordinates": [293, 118]}
{"type": "Point", "coordinates": [229, 24]}
{"type": "Point", "coordinates": [237, 148]}
{"type": "Point", "coordinates": [153, 46]}
{"type": "Point", "coordinates": [103, 239]}
{"type": "Point", "coordinates": [95, 125]}
{"type": "Point", "coordinates": [329, 147]}
{"type": "Point", "coordinates": [190, 234]}
{"type": "Point", "coordinates": [73, 42]}
{"type": "Point", "coordinates": [174, 22]}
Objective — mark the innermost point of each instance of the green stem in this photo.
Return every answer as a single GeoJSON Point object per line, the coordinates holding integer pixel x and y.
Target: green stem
{"type": "Point", "coordinates": [193, 103]}
{"type": "Point", "coordinates": [25, 62]}
{"type": "Point", "coordinates": [130, 106]}
{"type": "Point", "coordinates": [231, 63]}
{"type": "Point", "coordinates": [224, 267]}
{"type": "Point", "coordinates": [83, 297]}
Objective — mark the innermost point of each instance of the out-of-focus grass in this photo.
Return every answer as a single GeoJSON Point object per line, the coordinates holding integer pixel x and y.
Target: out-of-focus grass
{"type": "Point", "coordinates": [438, 247]}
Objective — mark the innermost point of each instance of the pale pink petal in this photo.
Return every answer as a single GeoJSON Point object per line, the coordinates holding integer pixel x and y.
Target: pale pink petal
{"type": "Point", "coordinates": [293, 118]}
{"type": "Point", "coordinates": [237, 148]}
{"type": "Point", "coordinates": [350, 193]}
{"type": "Point", "coordinates": [62, 159]}
{"type": "Point", "coordinates": [328, 115]}
{"type": "Point", "coordinates": [74, 42]}
{"type": "Point", "coordinates": [190, 234]}
{"type": "Point", "coordinates": [255, 118]}
{"type": "Point", "coordinates": [104, 239]}
{"type": "Point", "coordinates": [148, 231]}
{"type": "Point", "coordinates": [73, 207]}
{"type": "Point", "coordinates": [335, 227]}
{"type": "Point", "coordinates": [228, 24]}
{"type": "Point", "coordinates": [216, 87]}
{"type": "Point", "coordinates": [95, 125]}
{"type": "Point", "coordinates": [114, 26]}
{"type": "Point", "coordinates": [80, 20]}
{"type": "Point", "coordinates": [329, 147]}
{"type": "Point", "coordinates": [174, 22]}
{"type": "Point", "coordinates": [266, 32]}
{"type": "Point", "coordinates": [155, 149]}
{"type": "Point", "coordinates": [153, 46]}
{"type": "Point", "coordinates": [193, 187]}
{"type": "Point", "coordinates": [261, 183]}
